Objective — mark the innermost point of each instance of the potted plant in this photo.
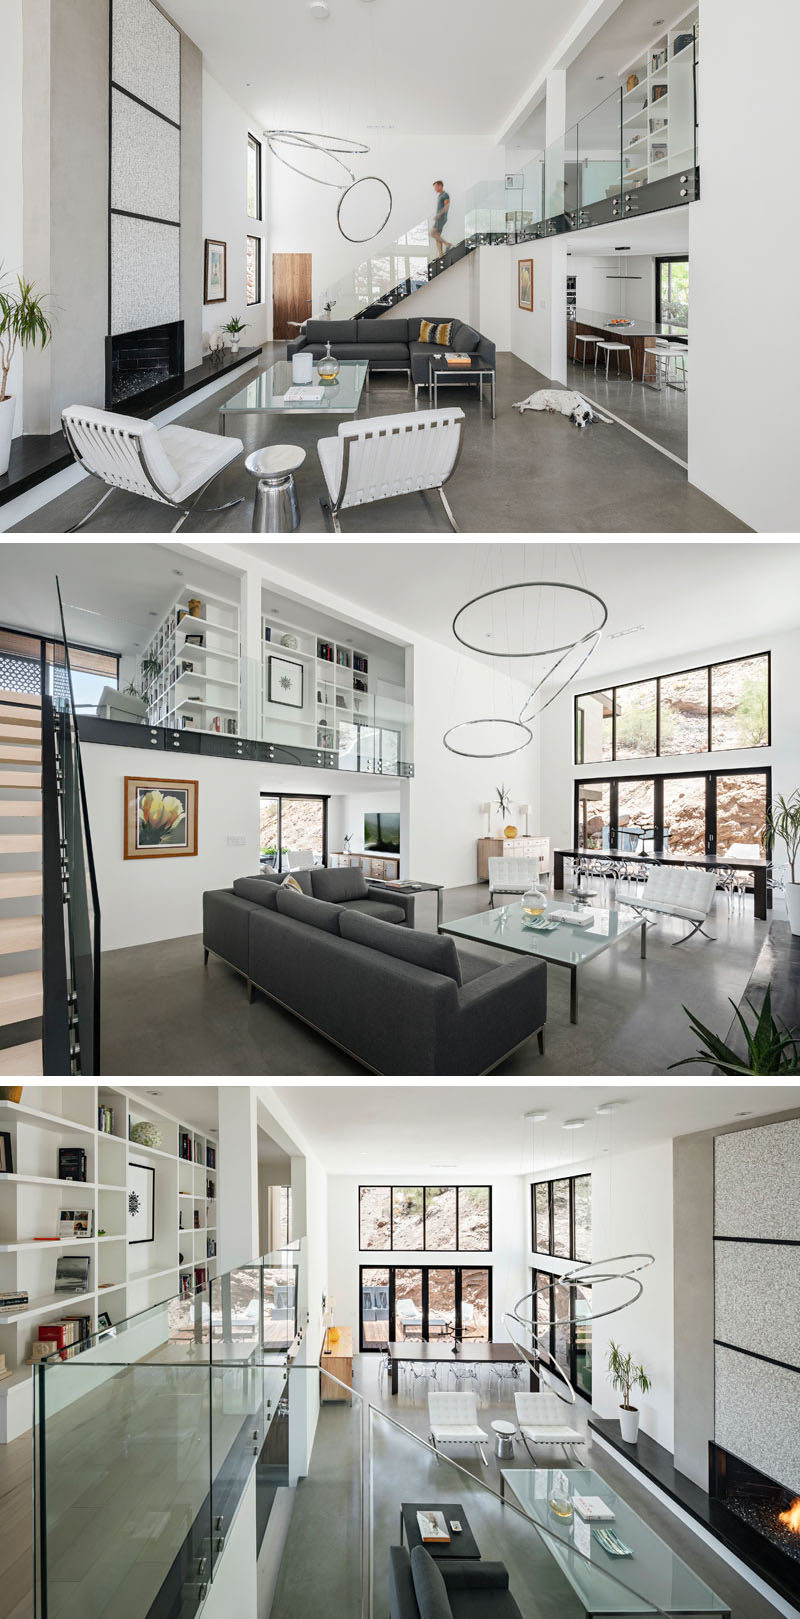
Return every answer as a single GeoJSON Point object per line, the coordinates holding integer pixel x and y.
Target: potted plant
{"type": "Point", "coordinates": [769, 1049]}
{"type": "Point", "coordinates": [151, 669]}
{"type": "Point", "coordinates": [23, 324]}
{"type": "Point", "coordinates": [625, 1376]}
{"type": "Point", "coordinates": [234, 328]}
{"type": "Point", "coordinates": [783, 825]}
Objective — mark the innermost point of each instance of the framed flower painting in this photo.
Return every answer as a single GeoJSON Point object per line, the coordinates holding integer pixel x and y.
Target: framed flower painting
{"type": "Point", "coordinates": [160, 817]}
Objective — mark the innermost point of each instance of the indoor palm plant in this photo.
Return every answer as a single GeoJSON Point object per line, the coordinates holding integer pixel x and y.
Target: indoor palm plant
{"type": "Point", "coordinates": [625, 1376]}
{"type": "Point", "coordinates": [23, 324]}
{"type": "Point", "coordinates": [782, 825]}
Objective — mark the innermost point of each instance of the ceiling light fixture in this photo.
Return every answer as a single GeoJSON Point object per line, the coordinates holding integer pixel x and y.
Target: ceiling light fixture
{"type": "Point", "coordinates": [320, 10]}
{"type": "Point", "coordinates": [537, 1115]}
{"type": "Point", "coordinates": [477, 739]}
{"type": "Point", "coordinates": [573, 1124]}
{"type": "Point", "coordinates": [610, 1107]}
{"type": "Point", "coordinates": [336, 147]}
{"type": "Point", "coordinates": [622, 1268]}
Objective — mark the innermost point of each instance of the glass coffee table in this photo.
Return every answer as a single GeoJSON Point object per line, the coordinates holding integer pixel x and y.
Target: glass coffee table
{"type": "Point", "coordinates": [652, 1577]}
{"type": "Point", "coordinates": [266, 393]}
{"type": "Point", "coordinates": [438, 370]}
{"type": "Point", "coordinates": [569, 945]}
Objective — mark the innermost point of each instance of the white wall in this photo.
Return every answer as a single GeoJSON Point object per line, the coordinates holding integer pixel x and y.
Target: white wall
{"type": "Point", "coordinates": [507, 1257]}
{"type": "Point", "coordinates": [454, 293]}
{"type": "Point", "coordinates": [11, 169]}
{"type": "Point", "coordinates": [539, 336]}
{"type": "Point", "coordinates": [595, 291]}
{"type": "Point", "coordinates": [303, 213]}
{"type": "Point", "coordinates": [556, 733]}
{"type": "Point", "coordinates": [743, 452]}
{"type": "Point", "coordinates": [225, 217]}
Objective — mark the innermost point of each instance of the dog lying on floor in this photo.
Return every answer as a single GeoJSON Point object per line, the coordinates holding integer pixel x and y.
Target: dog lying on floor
{"type": "Point", "coordinates": [566, 402]}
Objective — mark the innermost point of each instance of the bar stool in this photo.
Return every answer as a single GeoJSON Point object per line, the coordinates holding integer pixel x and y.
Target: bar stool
{"type": "Point", "coordinates": [678, 354]}
{"type": "Point", "coordinates": [276, 508]}
{"type": "Point", "coordinates": [613, 348]}
{"type": "Point", "coordinates": [582, 337]}
{"type": "Point", "coordinates": [660, 352]}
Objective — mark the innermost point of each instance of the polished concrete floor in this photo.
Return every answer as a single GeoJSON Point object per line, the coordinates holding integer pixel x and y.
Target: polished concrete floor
{"type": "Point", "coordinates": [163, 1013]}
{"type": "Point", "coordinates": [660, 414]}
{"type": "Point", "coordinates": [519, 474]}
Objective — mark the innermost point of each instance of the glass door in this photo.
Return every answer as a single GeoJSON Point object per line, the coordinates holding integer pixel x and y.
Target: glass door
{"type": "Point", "coordinates": [441, 1303]}
{"type": "Point", "coordinates": [685, 815]}
{"type": "Point", "coordinates": [374, 1306]}
{"type": "Point", "coordinates": [294, 831]}
{"type": "Point", "coordinates": [476, 1303]}
{"type": "Point", "coordinates": [269, 841]}
{"type": "Point", "coordinates": [408, 1313]}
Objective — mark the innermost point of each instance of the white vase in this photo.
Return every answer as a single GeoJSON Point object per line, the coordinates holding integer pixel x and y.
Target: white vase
{"type": "Point", "coordinates": [628, 1425]}
{"type": "Point", "coordinates": [235, 346]}
{"type": "Point", "coordinates": [302, 366]}
{"type": "Point", "coordinates": [7, 409]}
{"type": "Point", "coordinates": [793, 906]}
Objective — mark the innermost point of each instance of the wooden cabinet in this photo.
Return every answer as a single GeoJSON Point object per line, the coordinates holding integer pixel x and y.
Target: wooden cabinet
{"type": "Point", "coordinates": [337, 1358]}
{"type": "Point", "coordinates": [372, 865]}
{"type": "Point", "coordinates": [487, 847]}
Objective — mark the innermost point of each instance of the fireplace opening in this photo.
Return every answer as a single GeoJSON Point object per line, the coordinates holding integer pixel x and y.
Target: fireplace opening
{"type": "Point", "coordinates": [142, 366]}
{"type": "Point", "coordinates": [767, 1507]}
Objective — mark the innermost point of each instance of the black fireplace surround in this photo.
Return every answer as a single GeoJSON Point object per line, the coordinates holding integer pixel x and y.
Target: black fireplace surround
{"type": "Point", "coordinates": [756, 1502]}
{"type": "Point", "coordinates": [142, 365]}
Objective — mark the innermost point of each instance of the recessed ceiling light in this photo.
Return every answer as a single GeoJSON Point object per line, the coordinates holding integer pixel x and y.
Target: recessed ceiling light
{"type": "Point", "coordinates": [599, 76]}
{"type": "Point", "coordinates": [573, 1124]}
{"type": "Point", "coordinates": [153, 1093]}
{"type": "Point", "coordinates": [536, 1115]}
{"type": "Point", "coordinates": [320, 10]}
{"type": "Point", "coordinates": [635, 629]}
{"type": "Point", "coordinates": [657, 21]}
{"type": "Point", "coordinates": [152, 612]}
{"type": "Point", "coordinates": [609, 1107]}
{"type": "Point", "coordinates": [178, 572]}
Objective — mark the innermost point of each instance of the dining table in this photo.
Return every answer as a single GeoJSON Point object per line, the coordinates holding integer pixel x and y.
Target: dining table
{"type": "Point", "coordinates": [442, 1350]}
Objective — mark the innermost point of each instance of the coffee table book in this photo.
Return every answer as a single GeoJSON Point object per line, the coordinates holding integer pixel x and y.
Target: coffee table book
{"type": "Point", "coordinates": [433, 1529]}
{"type": "Point", "coordinates": [593, 1508]}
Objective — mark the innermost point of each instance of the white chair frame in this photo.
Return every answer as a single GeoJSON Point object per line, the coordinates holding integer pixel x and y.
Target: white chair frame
{"type": "Point", "coordinates": [514, 874]}
{"type": "Point", "coordinates": [461, 1404]}
{"type": "Point", "coordinates": [374, 430]}
{"type": "Point", "coordinates": [126, 449]}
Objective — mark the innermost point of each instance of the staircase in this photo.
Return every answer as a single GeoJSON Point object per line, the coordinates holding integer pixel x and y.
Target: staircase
{"type": "Point", "coordinates": [436, 267]}
{"type": "Point", "coordinates": [21, 992]}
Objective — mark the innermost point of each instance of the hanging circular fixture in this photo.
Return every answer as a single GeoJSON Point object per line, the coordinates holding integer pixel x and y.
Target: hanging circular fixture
{"type": "Point", "coordinates": [479, 734]}
{"type": "Point", "coordinates": [582, 1276]}
{"type": "Point", "coordinates": [583, 650]}
{"type": "Point", "coordinates": [511, 626]}
{"type": "Point", "coordinates": [335, 147]}
{"type": "Point", "coordinates": [367, 179]}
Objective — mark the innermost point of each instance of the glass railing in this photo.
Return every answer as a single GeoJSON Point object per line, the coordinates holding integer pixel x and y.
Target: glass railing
{"type": "Point", "coordinates": [341, 721]}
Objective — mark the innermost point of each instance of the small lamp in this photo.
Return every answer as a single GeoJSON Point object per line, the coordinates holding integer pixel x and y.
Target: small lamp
{"type": "Point", "coordinates": [525, 809]}
{"type": "Point", "coordinates": [486, 809]}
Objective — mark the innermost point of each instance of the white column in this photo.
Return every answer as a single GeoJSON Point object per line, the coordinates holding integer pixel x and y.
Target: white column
{"type": "Point", "coordinates": [237, 1190]}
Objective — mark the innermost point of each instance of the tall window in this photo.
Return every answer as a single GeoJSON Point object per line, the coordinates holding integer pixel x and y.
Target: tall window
{"type": "Point", "coordinates": [424, 1303]}
{"type": "Point", "coordinates": [561, 1217]}
{"type": "Point", "coordinates": [672, 291]}
{"type": "Point", "coordinates": [293, 824]}
{"type": "Point", "coordinates": [704, 710]}
{"type": "Point", "coordinates": [425, 1219]}
{"type": "Point", "coordinates": [253, 273]}
{"type": "Point", "coordinates": [686, 813]}
{"type": "Point", "coordinates": [22, 658]}
{"type": "Point", "coordinates": [254, 210]}
{"type": "Point", "coordinates": [561, 1314]}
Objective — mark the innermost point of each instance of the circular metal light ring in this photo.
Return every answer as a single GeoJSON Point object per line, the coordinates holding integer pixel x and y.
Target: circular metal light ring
{"type": "Point", "coordinates": [514, 726]}
{"type": "Point", "coordinates": [542, 1361]}
{"type": "Point", "coordinates": [363, 180]}
{"type": "Point", "coordinates": [531, 584]}
{"type": "Point", "coordinates": [582, 1275]}
{"type": "Point", "coordinates": [336, 147]}
{"type": "Point", "coordinates": [593, 636]}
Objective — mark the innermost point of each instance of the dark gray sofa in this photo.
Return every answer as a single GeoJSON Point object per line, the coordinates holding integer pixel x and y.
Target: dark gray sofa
{"type": "Point", "coordinates": [420, 1588]}
{"type": "Point", "coordinates": [389, 345]}
{"type": "Point", "coordinates": [402, 1002]}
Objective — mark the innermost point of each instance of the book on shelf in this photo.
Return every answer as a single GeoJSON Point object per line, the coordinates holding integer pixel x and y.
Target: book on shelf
{"type": "Point", "coordinates": [72, 1273]}
{"type": "Point", "coordinates": [433, 1529]}
{"type": "Point", "coordinates": [17, 1300]}
{"type": "Point", "coordinates": [458, 359]}
{"type": "Point", "coordinates": [186, 1146]}
{"type": "Point", "coordinates": [71, 1164]}
{"type": "Point", "coordinates": [76, 1223]}
{"type": "Point", "coordinates": [65, 1337]}
{"type": "Point", "coordinates": [105, 1120]}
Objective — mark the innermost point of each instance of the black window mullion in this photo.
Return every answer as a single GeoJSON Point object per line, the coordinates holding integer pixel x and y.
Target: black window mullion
{"type": "Point", "coordinates": [425, 1303]}
{"type": "Point", "coordinates": [551, 1221]}
{"type": "Point", "coordinates": [658, 716]}
{"type": "Point", "coordinates": [459, 1292]}
{"type": "Point", "coordinates": [658, 814]}
{"type": "Point", "coordinates": [391, 1219]}
{"type": "Point", "coordinates": [613, 813]}
{"type": "Point", "coordinates": [710, 688]}
{"type": "Point", "coordinates": [424, 1219]}
{"type": "Point", "coordinates": [711, 814]}
{"type": "Point", "coordinates": [614, 724]}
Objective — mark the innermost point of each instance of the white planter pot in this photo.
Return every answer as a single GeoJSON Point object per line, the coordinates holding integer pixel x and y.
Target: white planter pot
{"type": "Point", "coordinates": [235, 346]}
{"type": "Point", "coordinates": [7, 409]}
{"type": "Point", "coordinates": [793, 906]}
{"type": "Point", "coordinates": [628, 1425]}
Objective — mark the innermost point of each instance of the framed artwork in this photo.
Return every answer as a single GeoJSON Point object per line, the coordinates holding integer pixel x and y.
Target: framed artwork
{"type": "Point", "coordinates": [6, 1153]}
{"type": "Point", "coordinates": [285, 682]}
{"type": "Point", "coordinates": [525, 283]}
{"type": "Point", "coordinates": [104, 1327]}
{"type": "Point", "coordinates": [215, 277]}
{"type": "Point", "coordinates": [141, 1203]}
{"type": "Point", "coordinates": [160, 817]}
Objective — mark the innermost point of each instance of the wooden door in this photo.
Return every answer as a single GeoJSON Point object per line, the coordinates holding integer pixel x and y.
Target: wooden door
{"type": "Point", "coordinates": [291, 292]}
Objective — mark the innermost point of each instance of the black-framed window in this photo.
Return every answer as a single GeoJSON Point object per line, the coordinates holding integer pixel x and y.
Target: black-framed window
{"type": "Point", "coordinates": [277, 823]}
{"type": "Point", "coordinates": [254, 190]}
{"type": "Point", "coordinates": [672, 290]}
{"type": "Point", "coordinates": [561, 1311]}
{"type": "Point", "coordinates": [253, 271]}
{"type": "Point", "coordinates": [686, 812]}
{"type": "Point", "coordinates": [423, 1304]}
{"type": "Point", "coordinates": [424, 1219]}
{"type": "Point", "coordinates": [34, 664]}
{"type": "Point", "coordinates": [712, 708]}
{"type": "Point", "coordinates": [561, 1217]}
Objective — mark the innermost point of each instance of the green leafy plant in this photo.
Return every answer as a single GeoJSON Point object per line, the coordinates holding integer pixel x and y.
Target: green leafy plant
{"type": "Point", "coordinates": [625, 1375]}
{"type": "Point", "coordinates": [782, 825]}
{"type": "Point", "coordinates": [770, 1049]}
{"type": "Point", "coordinates": [23, 324]}
{"type": "Point", "coordinates": [235, 326]}
{"type": "Point", "coordinates": [151, 669]}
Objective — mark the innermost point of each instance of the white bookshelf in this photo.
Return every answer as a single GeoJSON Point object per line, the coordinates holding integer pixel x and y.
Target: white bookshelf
{"type": "Point", "coordinates": [124, 1278]}
{"type": "Point", "coordinates": [197, 687]}
{"type": "Point", "coordinates": [338, 688]}
{"type": "Point", "coordinates": [658, 114]}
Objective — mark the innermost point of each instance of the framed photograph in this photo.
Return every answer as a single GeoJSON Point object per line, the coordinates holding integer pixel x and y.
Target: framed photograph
{"type": "Point", "coordinates": [104, 1327]}
{"type": "Point", "coordinates": [525, 283]}
{"type": "Point", "coordinates": [6, 1153]}
{"type": "Point", "coordinates": [160, 817]}
{"type": "Point", "coordinates": [285, 682]}
{"type": "Point", "coordinates": [141, 1203]}
{"type": "Point", "coordinates": [215, 277]}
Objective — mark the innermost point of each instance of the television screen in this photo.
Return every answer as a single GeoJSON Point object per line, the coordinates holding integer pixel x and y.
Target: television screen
{"type": "Point", "coordinates": [382, 832]}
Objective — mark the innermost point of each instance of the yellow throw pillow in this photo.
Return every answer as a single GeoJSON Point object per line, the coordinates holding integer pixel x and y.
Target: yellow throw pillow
{"type": "Point", "coordinates": [291, 882]}
{"type": "Point", "coordinates": [430, 332]}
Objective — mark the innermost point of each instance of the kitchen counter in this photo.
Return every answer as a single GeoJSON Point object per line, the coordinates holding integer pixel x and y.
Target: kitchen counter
{"type": "Point", "coordinates": [639, 335]}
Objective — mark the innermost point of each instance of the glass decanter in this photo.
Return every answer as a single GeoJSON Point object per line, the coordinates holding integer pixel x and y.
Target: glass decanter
{"type": "Point", "coordinates": [559, 1500]}
{"type": "Point", "coordinates": [328, 366]}
{"type": "Point", "coordinates": [534, 903]}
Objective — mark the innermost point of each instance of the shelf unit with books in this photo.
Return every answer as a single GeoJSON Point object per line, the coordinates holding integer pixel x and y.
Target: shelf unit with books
{"type": "Point", "coordinates": [197, 649]}
{"type": "Point", "coordinates": [658, 112]}
{"type": "Point", "coordinates": [336, 687]}
{"type": "Point", "coordinates": [123, 1278]}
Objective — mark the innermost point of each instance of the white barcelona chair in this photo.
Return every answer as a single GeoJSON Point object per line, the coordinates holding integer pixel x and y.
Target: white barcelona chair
{"type": "Point", "coordinates": [390, 455]}
{"type": "Point", "coordinates": [514, 875]}
{"type": "Point", "coordinates": [541, 1422]}
{"type": "Point", "coordinates": [168, 464]}
{"type": "Point", "coordinates": [676, 891]}
{"type": "Point", "coordinates": [453, 1420]}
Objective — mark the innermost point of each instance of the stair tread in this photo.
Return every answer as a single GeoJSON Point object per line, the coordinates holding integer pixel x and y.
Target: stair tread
{"type": "Point", "coordinates": [20, 808]}
{"type": "Point", "coordinates": [27, 736]}
{"type": "Point", "coordinates": [22, 1062]}
{"type": "Point", "coordinates": [21, 718]}
{"type": "Point", "coordinates": [20, 842]}
{"type": "Point", "coordinates": [20, 884]}
{"type": "Point", "coordinates": [20, 933]}
{"type": "Point", "coordinates": [12, 753]}
{"type": "Point", "coordinates": [20, 997]}
{"type": "Point", "coordinates": [20, 697]}
{"type": "Point", "coordinates": [22, 778]}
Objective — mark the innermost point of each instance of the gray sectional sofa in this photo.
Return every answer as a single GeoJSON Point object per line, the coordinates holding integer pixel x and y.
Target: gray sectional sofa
{"type": "Point", "coordinates": [455, 1588]}
{"type": "Point", "coordinates": [389, 345]}
{"type": "Point", "coordinates": [401, 1002]}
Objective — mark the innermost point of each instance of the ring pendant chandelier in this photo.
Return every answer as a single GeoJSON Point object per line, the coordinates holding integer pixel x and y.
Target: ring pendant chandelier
{"type": "Point", "coordinates": [337, 148]}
